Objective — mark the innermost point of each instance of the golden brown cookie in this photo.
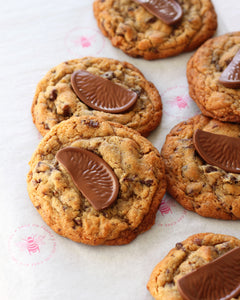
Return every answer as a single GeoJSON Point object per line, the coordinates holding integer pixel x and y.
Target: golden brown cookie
{"type": "Point", "coordinates": [139, 33]}
{"type": "Point", "coordinates": [195, 252]}
{"type": "Point", "coordinates": [55, 99]}
{"type": "Point", "coordinates": [135, 162]}
{"type": "Point", "coordinates": [204, 188]}
{"type": "Point", "coordinates": [204, 70]}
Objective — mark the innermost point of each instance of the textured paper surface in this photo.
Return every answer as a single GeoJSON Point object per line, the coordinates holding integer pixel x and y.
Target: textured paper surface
{"type": "Point", "coordinates": [35, 262]}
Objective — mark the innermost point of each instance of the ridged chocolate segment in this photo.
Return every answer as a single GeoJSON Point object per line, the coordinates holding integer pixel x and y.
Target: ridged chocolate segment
{"type": "Point", "coordinates": [91, 174]}
{"type": "Point", "coordinates": [217, 280]}
{"type": "Point", "coordinates": [230, 77]}
{"type": "Point", "coordinates": [169, 11]}
{"type": "Point", "coordinates": [218, 150]}
{"type": "Point", "coordinates": [102, 94]}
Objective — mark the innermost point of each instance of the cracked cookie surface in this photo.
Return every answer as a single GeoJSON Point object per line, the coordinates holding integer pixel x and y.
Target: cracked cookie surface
{"type": "Point", "coordinates": [55, 100]}
{"type": "Point", "coordinates": [187, 256]}
{"type": "Point", "coordinates": [203, 72]}
{"type": "Point", "coordinates": [134, 160]}
{"type": "Point", "coordinates": [196, 185]}
{"type": "Point", "coordinates": [140, 34]}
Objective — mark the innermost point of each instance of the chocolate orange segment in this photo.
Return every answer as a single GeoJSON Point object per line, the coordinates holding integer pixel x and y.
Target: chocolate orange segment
{"type": "Point", "coordinates": [102, 94]}
{"type": "Point", "coordinates": [169, 11]}
{"type": "Point", "coordinates": [230, 77]}
{"type": "Point", "coordinates": [91, 174]}
{"type": "Point", "coordinates": [218, 150]}
{"type": "Point", "coordinates": [217, 280]}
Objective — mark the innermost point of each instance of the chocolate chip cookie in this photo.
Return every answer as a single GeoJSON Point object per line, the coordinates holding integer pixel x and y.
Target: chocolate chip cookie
{"type": "Point", "coordinates": [201, 157]}
{"type": "Point", "coordinates": [140, 33]}
{"type": "Point", "coordinates": [96, 182]}
{"type": "Point", "coordinates": [204, 72]}
{"type": "Point", "coordinates": [199, 260]}
{"type": "Point", "coordinates": [73, 87]}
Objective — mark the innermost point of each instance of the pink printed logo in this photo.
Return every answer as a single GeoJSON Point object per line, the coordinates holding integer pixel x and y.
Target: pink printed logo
{"type": "Point", "coordinates": [178, 105]}
{"type": "Point", "coordinates": [171, 212]}
{"type": "Point", "coordinates": [181, 102]}
{"type": "Point", "coordinates": [31, 245]}
{"type": "Point", "coordinates": [165, 208]}
{"type": "Point", "coordinates": [84, 41]}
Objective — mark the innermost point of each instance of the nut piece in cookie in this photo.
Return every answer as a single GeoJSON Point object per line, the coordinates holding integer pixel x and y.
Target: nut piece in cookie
{"type": "Point", "coordinates": [156, 28]}
{"type": "Point", "coordinates": [213, 74]}
{"type": "Point", "coordinates": [96, 182]}
{"type": "Point", "coordinates": [201, 159]}
{"type": "Point", "coordinates": [102, 87]}
{"type": "Point", "coordinates": [206, 260]}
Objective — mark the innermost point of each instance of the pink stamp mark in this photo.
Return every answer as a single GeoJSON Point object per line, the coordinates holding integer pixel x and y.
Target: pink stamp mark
{"type": "Point", "coordinates": [181, 102]}
{"type": "Point", "coordinates": [84, 41]}
{"type": "Point", "coordinates": [171, 212]}
{"type": "Point", "coordinates": [177, 104]}
{"type": "Point", "coordinates": [31, 245]}
{"type": "Point", "coordinates": [165, 208]}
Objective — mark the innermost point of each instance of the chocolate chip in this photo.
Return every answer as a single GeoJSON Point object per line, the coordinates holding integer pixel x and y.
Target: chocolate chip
{"type": "Point", "coordinates": [130, 179]}
{"type": "Point", "coordinates": [66, 111]}
{"type": "Point", "coordinates": [137, 91]}
{"type": "Point", "coordinates": [91, 123]}
{"type": "Point", "coordinates": [179, 246]}
{"type": "Point", "coordinates": [198, 241]}
{"type": "Point", "coordinates": [53, 95]}
{"type": "Point", "coordinates": [109, 75]}
{"type": "Point", "coordinates": [148, 182]}
{"type": "Point", "coordinates": [233, 179]}
{"type": "Point", "coordinates": [151, 20]}
{"type": "Point", "coordinates": [38, 206]}
{"type": "Point", "coordinates": [78, 221]}
{"type": "Point", "coordinates": [64, 207]}
{"type": "Point", "coordinates": [210, 169]}
{"type": "Point", "coordinates": [37, 181]}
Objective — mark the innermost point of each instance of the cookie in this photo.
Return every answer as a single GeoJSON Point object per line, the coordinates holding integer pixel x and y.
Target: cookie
{"type": "Point", "coordinates": [202, 186]}
{"type": "Point", "coordinates": [56, 99]}
{"type": "Point", "coordinates": [194, 255]}
{"type": "Point", "coordinates": [204, 70]}
{"type": "Point", "coordinates": [139, 33]}
{"type": "Point", "coordinates": [68, 210]}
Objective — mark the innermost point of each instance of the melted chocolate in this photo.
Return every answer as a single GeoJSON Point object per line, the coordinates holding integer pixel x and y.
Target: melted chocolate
{"type": "Point", "coordinates": [218, 150]}
{"type": "Point", "coordinates": [102, 94]}
{"type": "Point", "coordinates": [169, 11]}
{"type": "Point", "coordinates": [230, 77]}
{"type": "Point", "coordinates": [91, 174]}
{"type": "Point", "coordinates": [217, 280]}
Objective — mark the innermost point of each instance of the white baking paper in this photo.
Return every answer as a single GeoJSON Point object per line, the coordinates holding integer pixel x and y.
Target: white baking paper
{"type": "Point", "coordinates": [35, 262]}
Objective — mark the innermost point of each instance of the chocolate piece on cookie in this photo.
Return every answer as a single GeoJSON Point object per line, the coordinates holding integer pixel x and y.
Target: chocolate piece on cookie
{"type": "Point", "coordinates": [202, 161]}
{"type": "Point", "coordinates": [210, 262]}
{"type": "Point", "coordinates": [102, 87]}
{"type": "Point", "coordinates": [96, 182]}
{"type": "Point", "coordinates": [213, 77]}
{"type": "Point", "coordinates": [142, 29]}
